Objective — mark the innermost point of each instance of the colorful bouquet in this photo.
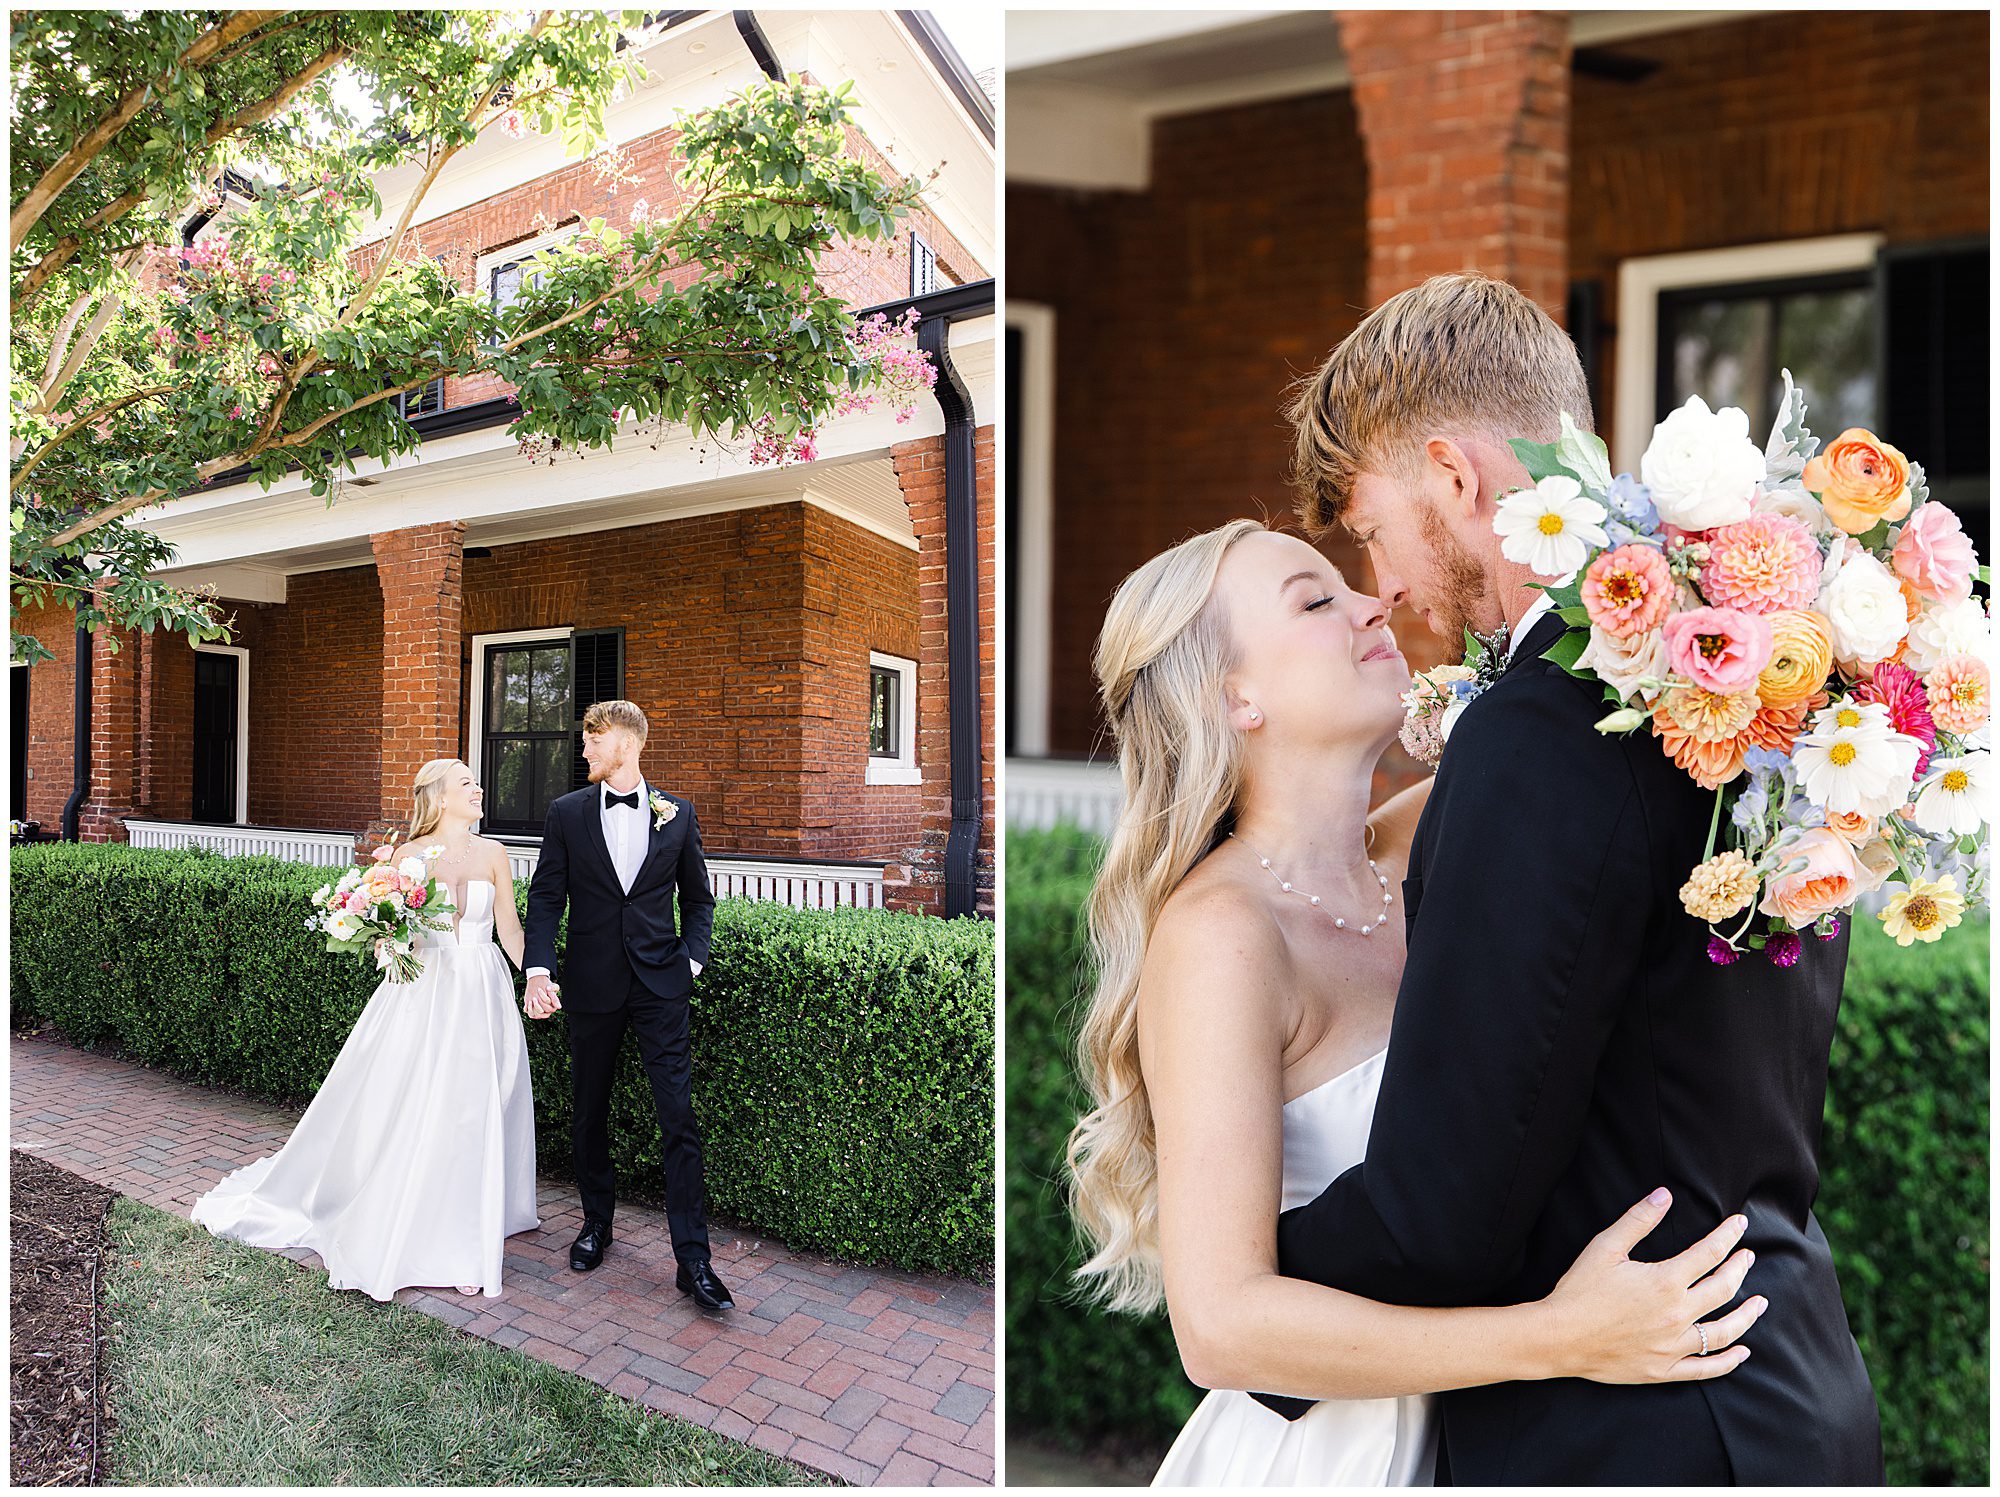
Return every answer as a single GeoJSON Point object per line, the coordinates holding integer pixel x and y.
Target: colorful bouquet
{"type": "Point", "coordinates": [377, 911]}
{"type": "Point", "coordinates": [1798, 630]}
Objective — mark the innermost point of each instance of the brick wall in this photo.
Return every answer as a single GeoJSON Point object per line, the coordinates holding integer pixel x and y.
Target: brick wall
{"type": "Point", "coordinates": [920, 472]}
{"type": "Point", "coordinates": [51, 712]}
{"type": "Point", "coordinates": [1876, 120]}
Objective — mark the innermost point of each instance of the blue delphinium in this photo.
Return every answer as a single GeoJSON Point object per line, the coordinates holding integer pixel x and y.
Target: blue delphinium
{"type": "Point", "coordinates": [1630, 513]}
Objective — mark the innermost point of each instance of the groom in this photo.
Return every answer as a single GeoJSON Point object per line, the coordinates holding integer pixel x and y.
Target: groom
{"type": "Point", "coordinates": [619, 853]}
{"type": "Point", "coordinates": [1562, 1044]}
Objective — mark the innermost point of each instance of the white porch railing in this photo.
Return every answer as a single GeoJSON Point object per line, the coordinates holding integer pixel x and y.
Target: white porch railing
{"type": "Point", "coordinates": [1042, 792]}
{"type": "Point", "coordinates": [811, 886]}
{"type": "Point", "coordinates": [322, 849]}
{"type": "Point", "coordinates": [807, 886]}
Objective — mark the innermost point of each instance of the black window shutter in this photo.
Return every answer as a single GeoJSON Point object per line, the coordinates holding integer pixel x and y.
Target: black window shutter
{"type": "Point", "coordinates": [1936, 383]}
{"type": "Point", "coordinates": [596, 674]}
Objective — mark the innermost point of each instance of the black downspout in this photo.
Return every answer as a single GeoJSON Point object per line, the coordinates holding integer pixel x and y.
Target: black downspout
{"type": "Point", "coordinates": [961, 594]}
{"type": "Point", "coordinates": [759, 44]}
{"type": "Point", "coordinates": [73, 807]}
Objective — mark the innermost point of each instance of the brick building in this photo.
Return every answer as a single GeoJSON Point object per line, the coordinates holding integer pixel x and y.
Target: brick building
{"type": "Point", "coordinates": [810, 664]}
{"type": "Point", "coordinates": [1200, 207]}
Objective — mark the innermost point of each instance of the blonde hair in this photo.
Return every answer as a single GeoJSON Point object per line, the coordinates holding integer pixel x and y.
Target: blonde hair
{"type": "Point", "coordinates": [600, 717]}
{"type": "Point", "coordinates": [427, 809]}
{"type": "Point", "coordinates": [1460, 353]}
{"type": "Point", "coordinates": [1161, 664]}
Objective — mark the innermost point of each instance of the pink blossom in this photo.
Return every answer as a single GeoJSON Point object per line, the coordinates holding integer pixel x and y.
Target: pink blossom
{"type": "Point", "coordinates": [1764, 564]}
{"type": "Point", "coordinates": [203, 340]}
{"type": "Point", "coordinates": [1722, 650]}
{"type": "Point", "coordinates": [1628, 591]}
{"type": "Point", "coordinates": [236, 413]}
{"type": "Point", "coordinates": [1934, 555]}
{"type": "Point", "coordinates": [383, 853]}
{"type": "Point", "coordinates": [417, 899]}
{"type": "Point", "coordinates": [357, 903]}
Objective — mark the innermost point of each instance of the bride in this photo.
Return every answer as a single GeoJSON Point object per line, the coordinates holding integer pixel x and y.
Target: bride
{"type": "Point", "coordinates": [416, 1160]}
{"type": "Point", "coordinates": [1247, 950]}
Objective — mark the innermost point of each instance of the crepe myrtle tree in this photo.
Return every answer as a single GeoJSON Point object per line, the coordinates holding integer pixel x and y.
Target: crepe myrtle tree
{"type": "Point", "coordinates": [141, 369]}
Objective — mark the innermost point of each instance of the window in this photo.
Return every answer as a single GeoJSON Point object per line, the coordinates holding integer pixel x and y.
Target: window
{"type": "Point", "coordinates": [502, 274]}
{"type": "Point", "coordinates": [892, 720]}
{"type": "Point", "coordinates": [1727, 343]}
{"type": "Point", "coordinates": [923, 267]}
{"type": "Point", "coordinates": [527, 716]}
{"type": "Point", "coordinates": [421, 401]}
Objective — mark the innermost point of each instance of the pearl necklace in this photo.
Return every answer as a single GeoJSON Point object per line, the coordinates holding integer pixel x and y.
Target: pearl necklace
{"type": "Point", "coordinates": [1339, 922]}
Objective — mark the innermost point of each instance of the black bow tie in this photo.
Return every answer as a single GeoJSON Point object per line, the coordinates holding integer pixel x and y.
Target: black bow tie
{"type": "Point", "coordinates": [631, 800]}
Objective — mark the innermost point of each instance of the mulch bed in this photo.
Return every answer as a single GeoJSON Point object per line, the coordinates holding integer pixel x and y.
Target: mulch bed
{"type": "Point", "coordinates": [58, 1331]}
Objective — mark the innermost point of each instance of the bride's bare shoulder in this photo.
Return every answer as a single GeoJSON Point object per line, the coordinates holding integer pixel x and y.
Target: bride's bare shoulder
{"type": "Point", "coordinates": [1217, 938]}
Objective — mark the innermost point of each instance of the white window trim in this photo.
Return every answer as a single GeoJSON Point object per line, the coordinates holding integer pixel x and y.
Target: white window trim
{"type": "Point", "coordinates": [242, 655]}
{"type": "Point", "coordinates": [475, 723]}
{"type": "Point", "coordinates": [903, 769]}
{"type": "Point", "coordinates": [1640, 282]}
{"type": "Point", "coordinates": [1031, 553]}
{"type": "Point", "coordinates": [524, 249]}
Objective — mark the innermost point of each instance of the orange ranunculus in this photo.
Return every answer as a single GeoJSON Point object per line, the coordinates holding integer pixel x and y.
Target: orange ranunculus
{"type": "Point", "coordinates": [1851, 827]}
{"type": "Point", "coordinates": [1860, 481]}
{"type": "Point", "coordinates": [380, 880]}
{"type": "Point", "coordinates": [1801, 657]}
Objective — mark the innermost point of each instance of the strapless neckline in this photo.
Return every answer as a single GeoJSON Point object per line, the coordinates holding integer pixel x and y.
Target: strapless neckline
{"type": "Point", "coordinates": [458, 910]}
{"type": "Point", "coordinates": [1353, 1070]}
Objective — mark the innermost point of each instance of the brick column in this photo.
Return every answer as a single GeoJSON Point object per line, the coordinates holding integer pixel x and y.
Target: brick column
{"type": "Point", "coordinates": [1465, 121]}
{"type": "Point", "coordinates": [421, 571]}
{"type": "Point", "coordinates": [114, 736]}
{"type": "Point", "coordinates": [920, 475]}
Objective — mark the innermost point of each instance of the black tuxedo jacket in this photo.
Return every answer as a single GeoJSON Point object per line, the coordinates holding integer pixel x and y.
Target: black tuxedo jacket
{"type": "Point", "coordinates": [1562, 1045]}
{"type": "Point", "coordinates": [615, 936]}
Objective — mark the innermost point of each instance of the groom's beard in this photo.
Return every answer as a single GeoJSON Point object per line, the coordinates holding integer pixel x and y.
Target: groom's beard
{"type": "Point", "coordinates": [1461, 581]}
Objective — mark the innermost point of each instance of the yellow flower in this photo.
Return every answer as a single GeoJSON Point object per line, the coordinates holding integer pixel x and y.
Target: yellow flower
{"type": "Point", "coordinates": [1924, 912]}
{"type": "Point", "coordinates": [1721, 887]}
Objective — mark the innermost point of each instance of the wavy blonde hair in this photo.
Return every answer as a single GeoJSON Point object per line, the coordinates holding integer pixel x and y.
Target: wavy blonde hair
{"type": "Point", "coordinates": [427, 810]}
{"type": "Point", "coordinates": [1161, 664]}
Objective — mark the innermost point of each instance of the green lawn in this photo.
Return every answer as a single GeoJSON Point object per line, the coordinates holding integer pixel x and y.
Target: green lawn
{"type": "Point", "coordinates": [232, 1366]}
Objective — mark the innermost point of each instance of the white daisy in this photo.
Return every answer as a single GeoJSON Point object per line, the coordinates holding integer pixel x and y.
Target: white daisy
{"type": "Point", "coordinates": [1951, 801]}
{"type": "Point", "coordinates": [1853, 761]}
{"type": "Point", "coordinates": [1551, 528]}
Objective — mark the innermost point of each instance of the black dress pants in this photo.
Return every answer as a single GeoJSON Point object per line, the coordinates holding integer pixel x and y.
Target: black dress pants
{"type": "Point", "coordinates": [660, 1026]}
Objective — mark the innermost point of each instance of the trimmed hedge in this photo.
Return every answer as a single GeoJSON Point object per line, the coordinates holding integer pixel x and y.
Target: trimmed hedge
{"type": "Point", "coordinates": [843, 1058]}
{"type": "Point", "coordinates": [1903, 1199]}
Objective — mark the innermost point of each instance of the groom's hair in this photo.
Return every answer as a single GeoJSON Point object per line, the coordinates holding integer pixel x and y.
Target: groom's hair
{"type": "Point", "coordinates": [1459, 354]}
{"type": "Point", "coordinates": [599, 717]}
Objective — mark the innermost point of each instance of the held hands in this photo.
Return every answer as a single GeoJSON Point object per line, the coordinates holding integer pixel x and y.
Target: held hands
{"type": "Point", "coordinates": [543, 997]}
{"type": "Point", "coordinates": [1623, 1321]}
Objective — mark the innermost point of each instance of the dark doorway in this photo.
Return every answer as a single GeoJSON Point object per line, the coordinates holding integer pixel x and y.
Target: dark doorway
{"type": "Point", "coordinates": [17, 769]}
{"type": "Point", "coordinates": [217, 681]}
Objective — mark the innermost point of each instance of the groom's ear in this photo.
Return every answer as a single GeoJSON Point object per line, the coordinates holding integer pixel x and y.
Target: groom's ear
{"type": "Point", "coordinates": [1454, 476]}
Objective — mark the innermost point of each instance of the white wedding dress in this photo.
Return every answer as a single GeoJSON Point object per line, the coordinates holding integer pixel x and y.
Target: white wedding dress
{"type": "Point", "coordinates": [416, 1160]}
{"type": "Point", "coordinates": [1233, 1440]}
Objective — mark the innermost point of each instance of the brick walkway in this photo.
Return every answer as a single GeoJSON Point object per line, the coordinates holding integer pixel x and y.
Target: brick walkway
{"type": "Point", "coordinates": [870, 1375]}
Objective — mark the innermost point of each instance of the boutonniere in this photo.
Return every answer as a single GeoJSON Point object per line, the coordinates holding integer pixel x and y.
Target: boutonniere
{"type": "Point", "coordinates": [664, 810]}
{"type": "Point", "coordinates": [1438, 697]}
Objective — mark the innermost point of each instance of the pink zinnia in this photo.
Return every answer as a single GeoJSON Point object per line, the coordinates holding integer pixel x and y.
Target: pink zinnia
{"type": "Point", "coordinates": [1901, 690]}
{"type": "Point", "coordinates": [1628, 591]}
{"type": "Point", "coordinates": [1934, 555]}
{"type": "Point", "coordinates": [416, 900]}
{"type": "Point", "coordinates": [1960, 693]}
{"type": "Point", "coordinates": [1722, 650]}
{"type": "Point", "coordinates": [1761, 565]}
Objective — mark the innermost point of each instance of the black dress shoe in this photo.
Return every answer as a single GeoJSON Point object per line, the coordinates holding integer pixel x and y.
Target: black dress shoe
{"type": "Point", "coordinates": [699, 1280]}
{"type": "Point", "coordinates": [588, 1249]}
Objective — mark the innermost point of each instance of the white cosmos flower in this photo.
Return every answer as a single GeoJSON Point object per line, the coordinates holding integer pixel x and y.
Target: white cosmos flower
{"type": "Point", "coordinates": [1551, 528]}
{"type": "Point", "coordinates": [1702, 467]}
{"type": "Point", "coordinates": [1852, 760]}
{"type": "Point", "coordinates": [1944, 630]}
{"type": "Point", "coordinates": [1951, 801]}
{"type": "Point", "coordinates": [343, 926]}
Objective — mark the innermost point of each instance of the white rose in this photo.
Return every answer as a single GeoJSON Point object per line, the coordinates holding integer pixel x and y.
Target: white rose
{"type": "Point", "coordinates": [1943, 630]}
{"type": "Point", "coordinates": [1450, 720]}
{"type": "Point", "coordinates": [414, 868]}
{"type": "Point", "coordinates": [1862, 601]}
{"type": "Point", "coordinates": [1702, 467]}
{"type": "Point", "coordinates": [1794, 504]}
{"type": "Point", "coordinates": [1624, 663]}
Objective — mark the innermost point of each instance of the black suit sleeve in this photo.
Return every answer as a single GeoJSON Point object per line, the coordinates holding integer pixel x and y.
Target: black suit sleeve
{"type": "Point", "coordinates": [1536, 893]}
{"type": "Point", "coordinates": [548, 892]}
{"type": "Point", "coordinates": [697, 900]}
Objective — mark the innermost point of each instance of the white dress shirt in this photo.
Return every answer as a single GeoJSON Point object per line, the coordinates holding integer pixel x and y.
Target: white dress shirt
{"type": "Point", "coordinates": [626, 835]}
{"type": "Point", "coordinates": [1542, 604]}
